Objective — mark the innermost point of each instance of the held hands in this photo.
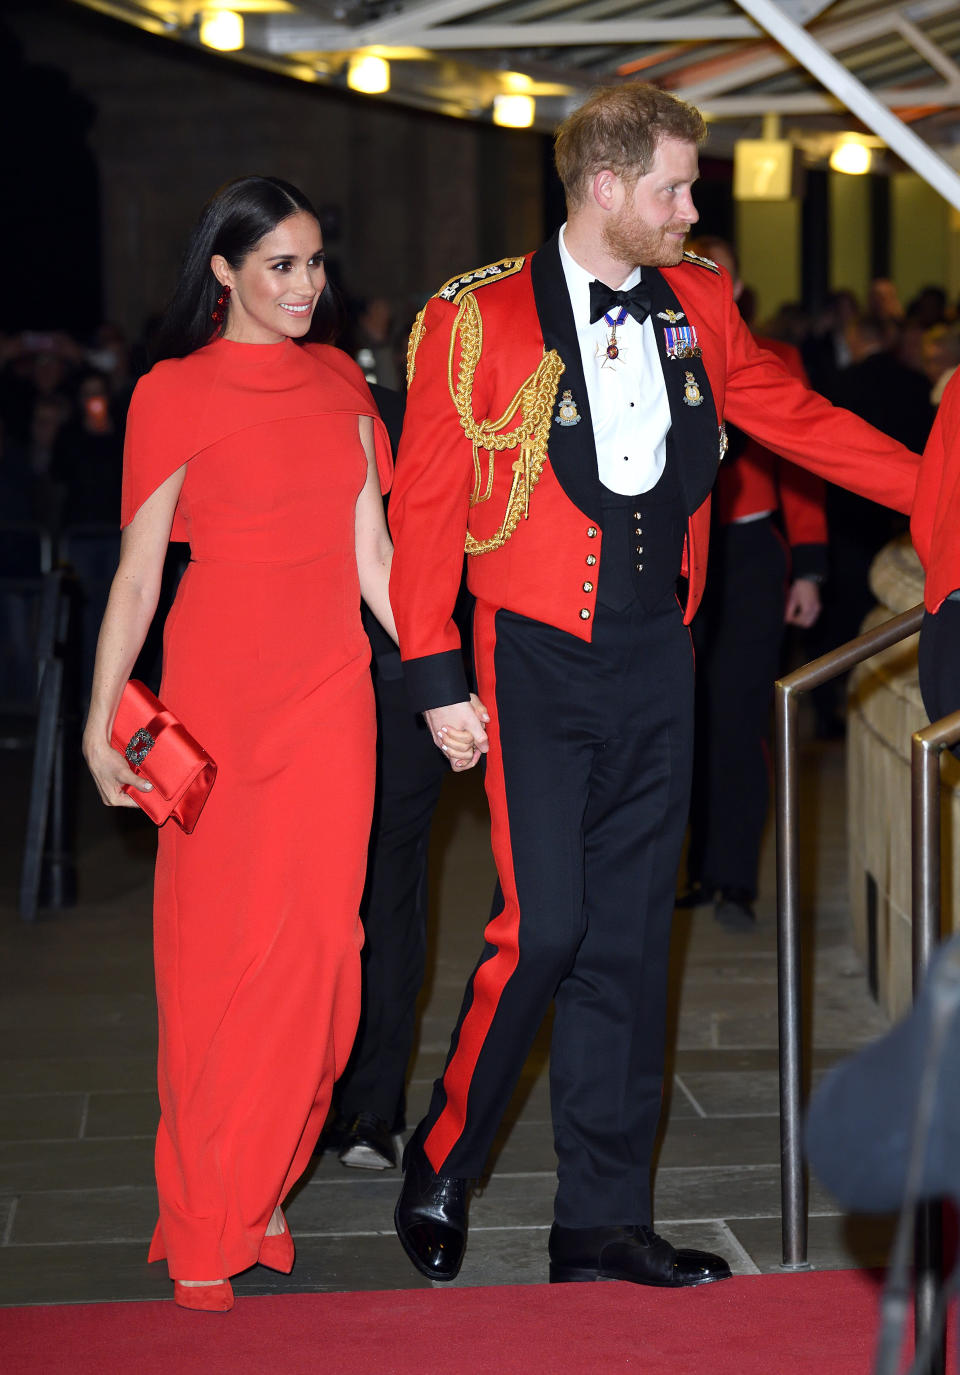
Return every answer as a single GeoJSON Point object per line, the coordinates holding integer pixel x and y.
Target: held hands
{"type": "Point", "coordinates": [110, 770]}
{"type": "Point", "coordinates": [458, 730]}
{"type": "Point", "coordinates": [803, 603]}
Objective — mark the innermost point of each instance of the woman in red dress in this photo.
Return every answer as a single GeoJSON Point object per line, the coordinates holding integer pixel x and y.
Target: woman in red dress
{"type": "Point", "coordinates": [268, 456]}
{"type": "Point", "coordinates": [935, 528]}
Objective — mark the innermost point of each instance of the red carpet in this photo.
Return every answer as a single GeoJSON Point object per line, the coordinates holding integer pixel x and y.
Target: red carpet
{"type": "Point", "coordinates": [819, 1324]}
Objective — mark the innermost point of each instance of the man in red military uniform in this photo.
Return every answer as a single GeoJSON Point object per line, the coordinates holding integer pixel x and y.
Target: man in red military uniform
{"type": "Point", "coordinates": [564, 425]}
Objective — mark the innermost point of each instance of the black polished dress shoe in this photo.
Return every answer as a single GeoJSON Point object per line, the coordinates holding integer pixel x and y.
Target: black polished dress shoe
{"type": "Point", "coordinates": [629, 1253]}
{"type": "Point", "coordinates": [368, 1144]}
{"type": "Point", "coordinates": [334, 1135]}
{"type": "Point", "coordinates": [431, 1215]}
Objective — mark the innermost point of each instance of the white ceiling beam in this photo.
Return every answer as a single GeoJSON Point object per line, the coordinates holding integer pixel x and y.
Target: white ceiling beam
{"type": "Point", "coordinates": [565, 33]}
{"type": "Point", "coordinates": [833, 37]}
{"type": "Point", "coordinates": [861, 102]}
{"type": "Point", "coordinates": [820, 102]}
{"type": "Point", "coordinates": [394, 28]}
{"type": "Point", "coordinates": [290, 33]}
{"type": "Point", "coordinates": [940, 61]}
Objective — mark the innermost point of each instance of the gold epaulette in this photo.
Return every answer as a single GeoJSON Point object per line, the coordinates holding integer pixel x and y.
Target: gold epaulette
{"type": "Point", "coordinates": [701, 262]}
{"type": "Point", "coordinates": [455, 289]}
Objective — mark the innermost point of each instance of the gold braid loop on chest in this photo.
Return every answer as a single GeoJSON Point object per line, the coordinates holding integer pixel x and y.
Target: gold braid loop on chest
{"type": "Point", "coordinates": [533, 402]}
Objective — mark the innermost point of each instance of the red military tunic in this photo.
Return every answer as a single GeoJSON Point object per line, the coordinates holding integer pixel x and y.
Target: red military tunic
{"type": "Point", "coordinates": [448, 486]}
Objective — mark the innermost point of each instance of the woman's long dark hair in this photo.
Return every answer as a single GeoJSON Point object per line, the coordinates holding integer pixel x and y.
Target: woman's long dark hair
{"type": "Point", "coordinates": [232, 223]}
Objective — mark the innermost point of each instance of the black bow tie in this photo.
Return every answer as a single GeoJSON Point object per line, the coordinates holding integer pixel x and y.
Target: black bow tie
{"type": "Point", "coordinates": [604, 300]}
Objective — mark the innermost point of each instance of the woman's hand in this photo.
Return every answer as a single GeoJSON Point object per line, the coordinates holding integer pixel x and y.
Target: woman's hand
{"type": "Point", "coordinates": [111, 771]}
{"type": "Point", "coordinates": [459, 732]}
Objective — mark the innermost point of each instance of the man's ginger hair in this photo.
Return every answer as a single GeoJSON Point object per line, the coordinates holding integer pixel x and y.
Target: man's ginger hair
{"type": "Point", "coordinates": [619, 128]}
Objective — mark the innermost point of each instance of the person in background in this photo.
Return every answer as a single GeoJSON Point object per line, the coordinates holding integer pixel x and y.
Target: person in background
{"type": "Point", "coordinates": [941, 358]}
{"type": "Point", "coordinates": [895, 398]}
{"type": "Point", "coordinates": [370, 1096]}
{"type": "Point", "coordinates": [758, 586]}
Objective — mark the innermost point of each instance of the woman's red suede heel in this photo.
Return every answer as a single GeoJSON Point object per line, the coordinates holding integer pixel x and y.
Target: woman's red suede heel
{"type": "Point", "coordinates": [205, 1298]}
{"type": "Point", "coordinates": [278, 1252]}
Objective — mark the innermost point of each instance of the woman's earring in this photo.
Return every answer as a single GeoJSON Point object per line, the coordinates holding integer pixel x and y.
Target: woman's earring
{"type": "Point", "coordinates": [218, 314]}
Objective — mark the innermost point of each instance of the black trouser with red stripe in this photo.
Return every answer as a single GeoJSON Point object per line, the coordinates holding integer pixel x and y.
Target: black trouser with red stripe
{"type": "Point", "coordinates": [588, 780]}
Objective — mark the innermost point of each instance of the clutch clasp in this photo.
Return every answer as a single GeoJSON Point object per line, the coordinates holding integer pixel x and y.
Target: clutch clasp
{"type": "Point", "coordinates": [141, 743]}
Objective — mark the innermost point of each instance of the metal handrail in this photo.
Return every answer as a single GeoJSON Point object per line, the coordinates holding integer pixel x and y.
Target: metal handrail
{"type": "Point", "coordinates": [793, 1184]}
{"type": "Point", "coordinates": [926, 748]}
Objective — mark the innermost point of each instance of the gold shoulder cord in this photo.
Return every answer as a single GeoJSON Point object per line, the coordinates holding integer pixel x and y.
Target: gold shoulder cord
{"type": "Point", "coordinates": [534, 401]}
{"type": "Point", "coordinates": [413, 343]}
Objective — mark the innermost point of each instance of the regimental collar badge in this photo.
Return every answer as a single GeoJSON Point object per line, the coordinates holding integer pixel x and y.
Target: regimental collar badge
{"type": "Point", "coordinates": [567, 413]}
{"type": "Point", "coordinates": [671, 316]}
{"type": "Point", "coordinates": [692, 395]}
{"type": "Point", "coordinates": [681, 341]}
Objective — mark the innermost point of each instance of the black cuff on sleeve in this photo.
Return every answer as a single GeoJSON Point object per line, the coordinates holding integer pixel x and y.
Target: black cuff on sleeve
{"type": "Point", "coordinates": [809, 561]}
{"type": "Point", "coordinates": [436, 680]}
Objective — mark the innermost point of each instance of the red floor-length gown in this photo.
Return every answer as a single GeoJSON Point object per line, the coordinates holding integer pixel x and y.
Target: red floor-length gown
{"type": "Point", "coordinates": [256, 931]}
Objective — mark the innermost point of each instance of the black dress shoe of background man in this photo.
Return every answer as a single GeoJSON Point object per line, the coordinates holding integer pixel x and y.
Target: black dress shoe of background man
{"type": "Point", "coordinates": [629, 1253]}
{"type": "Point", "coordinates": [431, 1215]}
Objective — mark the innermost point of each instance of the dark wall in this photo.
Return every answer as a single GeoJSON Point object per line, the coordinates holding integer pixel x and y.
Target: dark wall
{"type": "Point", "coordinates": [417, 197]}
{"type": "Point", "coordinates": [50, 227]}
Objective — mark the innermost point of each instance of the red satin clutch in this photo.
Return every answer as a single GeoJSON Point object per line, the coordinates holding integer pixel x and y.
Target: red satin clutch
{"type": "Point", "coordinates": [161, 750]}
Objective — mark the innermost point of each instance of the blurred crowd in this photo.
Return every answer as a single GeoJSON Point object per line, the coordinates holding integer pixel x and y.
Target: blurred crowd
{"type": "Point", "coordinates": [63, 401]}
{"type": "Point", "coordinates": [62, 408]}
{"type": "Point", "coordinates": [888, 363]}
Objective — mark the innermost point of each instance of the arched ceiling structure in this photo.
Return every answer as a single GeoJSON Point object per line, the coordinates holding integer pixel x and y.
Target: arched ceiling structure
{"type": "Point", "coordinates": [889, 70]}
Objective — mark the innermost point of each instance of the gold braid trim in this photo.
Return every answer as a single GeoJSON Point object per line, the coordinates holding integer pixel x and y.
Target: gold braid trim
{"type": "Point", "coordinates": [417, 332]}
{"type": "Point", "coordinates": [534, 402]}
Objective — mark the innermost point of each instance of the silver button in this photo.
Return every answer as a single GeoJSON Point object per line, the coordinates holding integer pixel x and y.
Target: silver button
{"type": "Point", "coordinates": [639, 567]}
{"type": "Point", "coordinates": [591, 559]}
{"type": "Point", "coordinates": [591, 532]}
{"type": "Point", "coordinates": [588, 587]}
{"type": "Point", "coordinates": [638, 531]}
{"type": "Point", "coordinates": [639, 548]}
{"type": "Point", "coordinates": [584, 614]}
{"type": "Point", "coordinates": [637, 515]}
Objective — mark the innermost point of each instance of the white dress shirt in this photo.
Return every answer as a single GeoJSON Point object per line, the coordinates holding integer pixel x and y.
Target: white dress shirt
{"type": "Point", "coordinates": [627, 397]}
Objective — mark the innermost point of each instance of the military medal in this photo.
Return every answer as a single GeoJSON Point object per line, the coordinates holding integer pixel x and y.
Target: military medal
{"type": "Point", "coordinates": [680, 341]}
{"type": "Point", "coordinates": [611, 350]}
{"type": "Point", "coordinates": [567, 413]}
{"type": "Point", "coordinates": [691, 392]}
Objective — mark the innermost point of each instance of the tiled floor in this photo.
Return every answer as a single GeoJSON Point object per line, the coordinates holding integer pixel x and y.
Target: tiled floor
{"type": "Point", "coordinates": [77, 1106]}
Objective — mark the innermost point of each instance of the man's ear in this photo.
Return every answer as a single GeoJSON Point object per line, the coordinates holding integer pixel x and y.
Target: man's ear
{"type": "Point", "coordinates": [606, 189]}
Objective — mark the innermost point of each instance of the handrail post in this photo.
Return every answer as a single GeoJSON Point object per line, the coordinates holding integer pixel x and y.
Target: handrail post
{"type": "Point", "coordinates": [925, 750]}
{"type": "Point", "coordinates": [793, 1182]}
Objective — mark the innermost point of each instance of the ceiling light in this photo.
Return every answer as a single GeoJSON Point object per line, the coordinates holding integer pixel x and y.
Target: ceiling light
{"type": "Point", "coordinates": [513, 111]}
{"type": "Point", "coordinates": [851, 155]}
{"type": "Point", "coordinates": [368, 74]}
{"type": "Point", "coordinates": [222, 29]}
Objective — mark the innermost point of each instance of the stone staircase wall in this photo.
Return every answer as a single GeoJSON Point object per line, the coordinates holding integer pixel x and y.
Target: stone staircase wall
{"type": "Point", "coordinates": [884, 709]}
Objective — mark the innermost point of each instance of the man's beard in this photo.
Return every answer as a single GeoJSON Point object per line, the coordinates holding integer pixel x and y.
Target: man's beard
{"type": "Point", "coordinates": [631, 240]}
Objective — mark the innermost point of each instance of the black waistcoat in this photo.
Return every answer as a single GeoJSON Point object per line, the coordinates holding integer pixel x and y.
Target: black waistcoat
{"type": "Point", "coordinates": [642, 542]}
